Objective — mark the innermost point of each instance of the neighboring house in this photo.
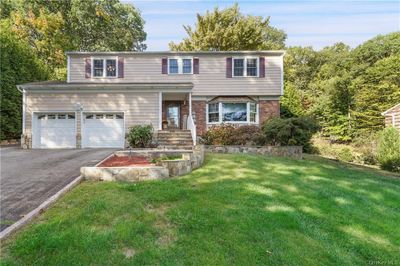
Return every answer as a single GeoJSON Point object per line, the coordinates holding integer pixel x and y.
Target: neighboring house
{"type": "Point", "coordinates": [108, 92]}
{"type": "Point", "coordinates": [392, 116]}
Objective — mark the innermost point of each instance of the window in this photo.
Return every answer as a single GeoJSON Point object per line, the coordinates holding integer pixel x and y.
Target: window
{"type": "Point", "coordinates": [213, 112]}
{"type": "Point", "coordinates": [111, 67]}
{"type": "Point", "coordinates": [245, 67]}
{"type": "Point", "coordinates": [61, 116]}
{"type": "Point", "coordinates": [109, 116]}
{"type": "Point", "coordinates": [252, 67]}
{"type": "Point", "coordinates": [253, 112]}
{"type": "Point", "coordinates": [234, 112]}
{"type": "Point", "coordinates": [187, 66]}
{"type": "Point", "coordinates": [105, 68]}
{"type": "Point", "coordinates": [238, 67]}
{"type": "Point", "coordinates": [241, 112]}
{"type": "Point", "coordinates": [98, 67]}
{"type": "Point", "coordinates": [119, 116]}
{"type": "Point", "coordinates": [71, 116]}
{"type": "Point", "coordinates": [89, 116]}
{"type": "Point", "coordinates": [51, 116]}
{"type": "Point", "coordinates": [99, 116]}
{"type": "Point", "coordinates": [173, 66]}
{"type": "Point", "coordinates": [180, 66]}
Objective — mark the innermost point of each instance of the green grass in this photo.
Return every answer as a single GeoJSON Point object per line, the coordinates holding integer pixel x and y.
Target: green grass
{"type": "Point", "coordinates": [236, 209]}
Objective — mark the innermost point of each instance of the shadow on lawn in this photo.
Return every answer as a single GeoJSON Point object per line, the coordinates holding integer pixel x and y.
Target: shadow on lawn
{"type": "Point", "coordinates": [288, 207]}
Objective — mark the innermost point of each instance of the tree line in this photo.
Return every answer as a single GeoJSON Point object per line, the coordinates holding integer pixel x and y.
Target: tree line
{"type": "Point", "coordinates": [345, 89]}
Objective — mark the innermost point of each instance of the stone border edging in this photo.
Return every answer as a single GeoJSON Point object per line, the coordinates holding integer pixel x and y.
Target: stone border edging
{"type": "Point", "coordinates": [42, 207]}
{"type": "Point", "coordinates": [295, 152]}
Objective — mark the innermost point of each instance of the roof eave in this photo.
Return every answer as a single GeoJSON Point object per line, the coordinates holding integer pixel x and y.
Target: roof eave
{"type": "Point", "coordinates": [271, 52]}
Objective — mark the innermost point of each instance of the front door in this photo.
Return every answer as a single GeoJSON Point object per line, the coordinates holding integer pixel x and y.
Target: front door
{"type": "Point", "coordinates": [173, 115]}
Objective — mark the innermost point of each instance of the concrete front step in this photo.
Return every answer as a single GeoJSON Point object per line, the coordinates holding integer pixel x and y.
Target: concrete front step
{"type": "Point", "coordinates": [174, 138]}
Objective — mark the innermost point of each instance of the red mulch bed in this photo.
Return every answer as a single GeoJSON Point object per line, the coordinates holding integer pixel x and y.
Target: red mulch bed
{"type": "Point", "coordinates": [117, 161]}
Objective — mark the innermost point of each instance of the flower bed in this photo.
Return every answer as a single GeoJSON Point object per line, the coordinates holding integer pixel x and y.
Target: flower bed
{"type": "Point", "coordinates": [121, 161]}
{"type": "Point", "coordinates": [139, 165]}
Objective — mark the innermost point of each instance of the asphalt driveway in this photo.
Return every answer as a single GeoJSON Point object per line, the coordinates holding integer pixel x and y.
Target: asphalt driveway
{"type": "Point", "coordinates": [29, 177]}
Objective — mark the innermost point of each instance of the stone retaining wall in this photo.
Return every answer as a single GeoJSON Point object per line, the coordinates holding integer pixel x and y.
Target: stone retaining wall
{"type": "Point", "coordinates": [295, 152]}
{"type": "Point", "coordinates": [163, 169]}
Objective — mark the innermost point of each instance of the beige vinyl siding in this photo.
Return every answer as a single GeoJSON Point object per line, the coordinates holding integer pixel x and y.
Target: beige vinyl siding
{"type": "Point", "coordinates": [211, 80]}
{"type": "Point", "coordinates": [139, 107]}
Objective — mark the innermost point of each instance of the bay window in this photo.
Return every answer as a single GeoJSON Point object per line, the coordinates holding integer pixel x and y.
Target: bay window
{"type": "Point", "coordinates": [245, 67]}
{"type": "Point", "coordinates": [104, 68]}
{"type": "Point", "coordinates": [213, 112]}
{"type": "Point", "coordinates": [232, 112]}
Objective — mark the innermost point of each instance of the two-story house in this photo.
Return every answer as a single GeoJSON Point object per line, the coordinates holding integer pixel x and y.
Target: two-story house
{"type": "Point", "coordinates": [108, 92]}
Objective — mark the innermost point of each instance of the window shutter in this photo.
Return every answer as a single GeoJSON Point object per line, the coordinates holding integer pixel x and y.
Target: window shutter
{"type": "Point", "coordinates": [229, 67]}
{"type": "Point", "coordinates": [262, 67]}
{"type": "Point", "coordinates": [196, 66]}
{"type": "Point", "coordinates": [88, 68]}
{"type": "Point", "coordinates": [164, 67]}
{"type": "Point", "coordinates": [120, 67]}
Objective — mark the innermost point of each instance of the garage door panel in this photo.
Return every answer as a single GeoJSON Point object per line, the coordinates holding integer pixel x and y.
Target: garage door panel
{"type": "Point", "coordinates": [103, 131]}
{"type": "Point", "coordinates": [52, 132]}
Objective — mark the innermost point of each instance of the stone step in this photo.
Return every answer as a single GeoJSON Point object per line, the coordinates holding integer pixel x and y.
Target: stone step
{"type": "Point", "coordinates": [175, 138]}
{"type": "Point", "coordinates": [173, 131]}
{"type": "Point", "coordinates": [174, 134]}
{"type": "Point", "coordinates": [175, 142]}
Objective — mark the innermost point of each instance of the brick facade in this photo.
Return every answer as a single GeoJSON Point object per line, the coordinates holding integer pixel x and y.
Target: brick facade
{"type": "Point", "coordinates": [268, 109]}
{"type": "Point", "coordinates": [199, 112]}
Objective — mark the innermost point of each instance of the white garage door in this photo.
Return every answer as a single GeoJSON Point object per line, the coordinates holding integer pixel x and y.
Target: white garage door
{"type": "Point", "coordinates": [103, 130]}
{"type": "Point", "coordinates": [54, 130]}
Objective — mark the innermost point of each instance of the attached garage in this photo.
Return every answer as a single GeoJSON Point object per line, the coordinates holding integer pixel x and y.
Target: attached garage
{"type": "Point", "coordinates": [54, 130]}
{"type": "Point", "coordinates": [103, 130]}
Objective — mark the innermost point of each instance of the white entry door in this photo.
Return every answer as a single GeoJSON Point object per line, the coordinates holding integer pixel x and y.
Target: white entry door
{"type": "Point", "coordinates": [54, 130]}
{"type": "Point", "coordinates": [103, 130]}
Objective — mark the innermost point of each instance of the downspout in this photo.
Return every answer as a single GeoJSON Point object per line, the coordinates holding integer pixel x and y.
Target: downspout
{"type": "Point", "coordinates": [23, 108]}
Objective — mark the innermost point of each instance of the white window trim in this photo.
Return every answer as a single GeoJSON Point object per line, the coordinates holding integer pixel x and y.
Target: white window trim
{"type": "Point", "coordinates": [245, 67]}
{"type": "Point", "coordinates": [104, 58]}
{"type": "Point", "coordinates": [180, 65]}
{"type": "Point", "coordinates": [220, 115]}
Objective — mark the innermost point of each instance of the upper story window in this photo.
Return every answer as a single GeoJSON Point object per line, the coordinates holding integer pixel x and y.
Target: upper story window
{"type": "Point", "coordinates": [104, 68]}
{"type": "Point", "coordinates": [180, 65]}
{"type": "Point", "coordinates": [245, 67]}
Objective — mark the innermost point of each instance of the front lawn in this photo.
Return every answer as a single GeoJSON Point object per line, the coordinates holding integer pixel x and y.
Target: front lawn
{"type": "Point", "coordinates": [236, 209]}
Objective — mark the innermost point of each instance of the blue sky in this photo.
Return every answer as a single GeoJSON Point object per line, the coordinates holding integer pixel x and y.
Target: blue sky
{"type": "Point", "coordinates": [307, 23]}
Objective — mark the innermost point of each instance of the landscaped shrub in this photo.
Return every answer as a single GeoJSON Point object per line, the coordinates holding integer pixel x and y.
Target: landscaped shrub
{"type": "Point", "coordinates": [140, 136]}
{"type": "Point", "coordinates": [345, 155]}
{"type": "Point", "coordinates": [389, 149]}
{"type": "Point", "coordinates": [219, 135]}
{"type": "Point", "coordinates": [248, 135]}
{"type": "Point", "coordinates": [290, 131]}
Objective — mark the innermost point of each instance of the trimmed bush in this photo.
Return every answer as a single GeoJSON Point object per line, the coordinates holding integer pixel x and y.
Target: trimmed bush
{"type": "Point", "coordinates": [219, 135]}
{"type": "Point", "coordinates": [248, 135]}
{"type": "Point", "coordinates": [290, 131]}
{"type": "Point", "coordinates": [140, 136]}
{"type": "Point", "coordinates": [389, 149]}
{"type": "Point", "coordinates": [227, 134]}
